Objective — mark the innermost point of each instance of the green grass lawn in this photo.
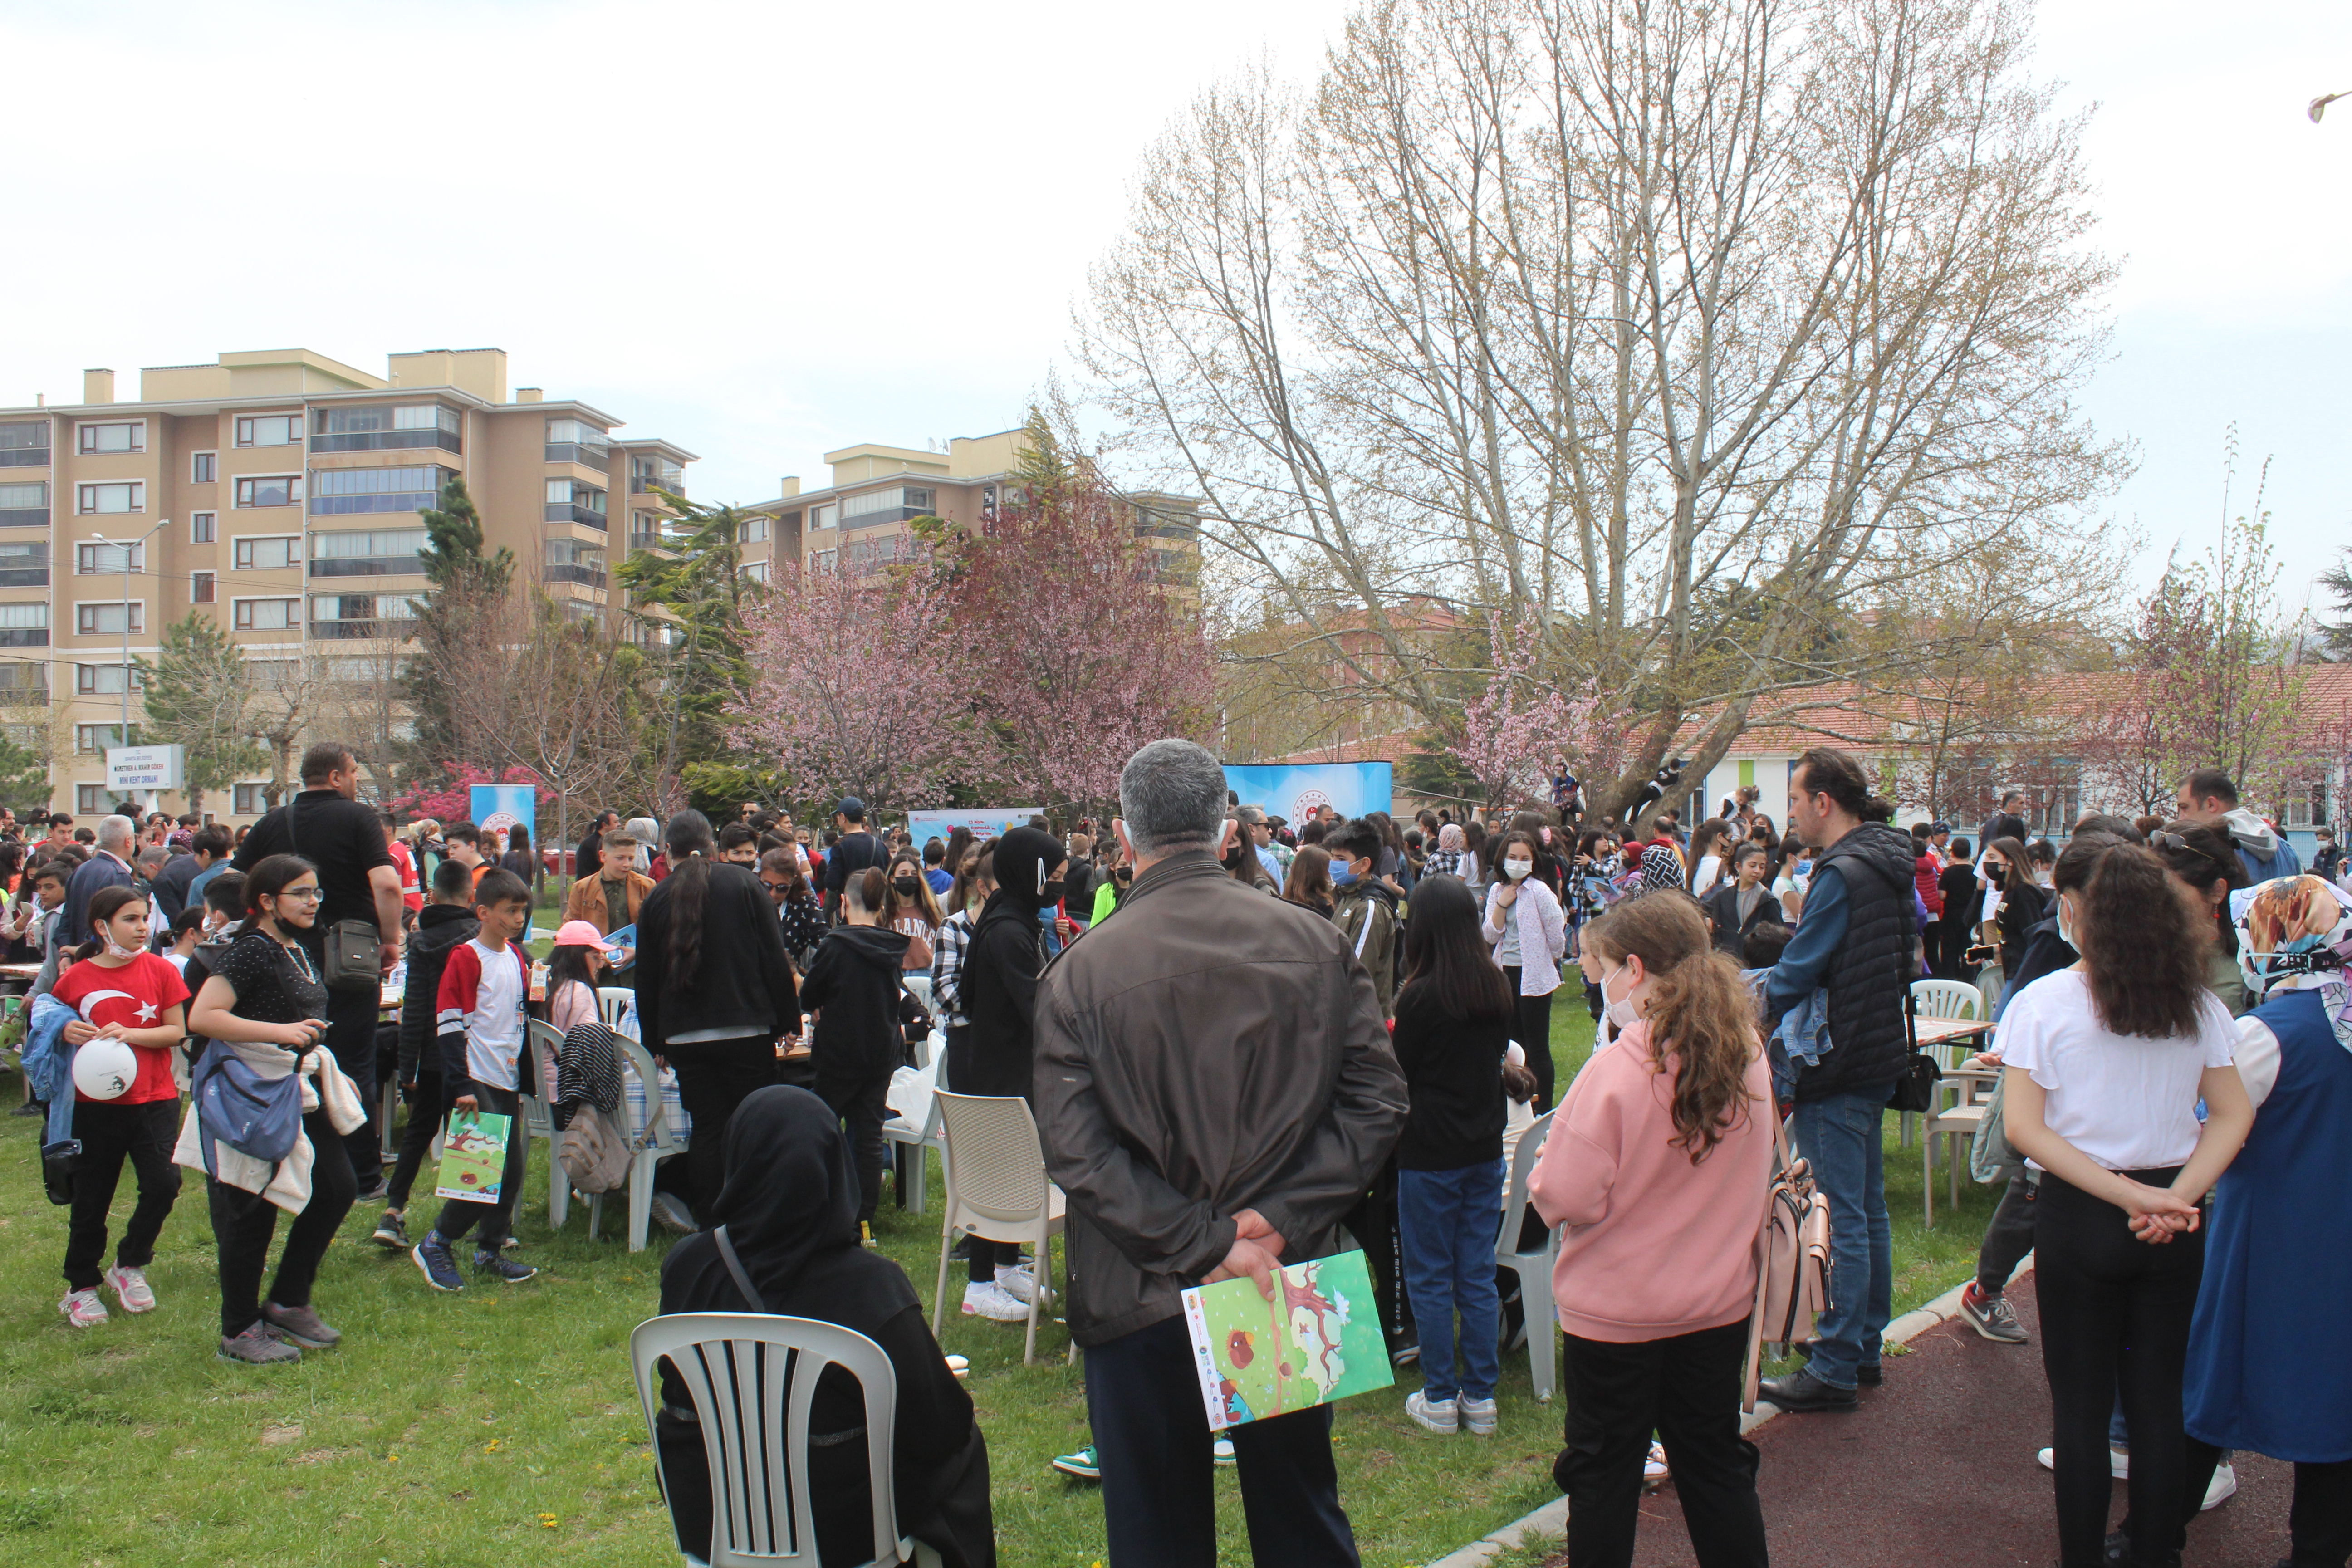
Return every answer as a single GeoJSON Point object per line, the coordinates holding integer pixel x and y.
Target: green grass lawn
{"type": "Point", "coordinates": [502, 1425]}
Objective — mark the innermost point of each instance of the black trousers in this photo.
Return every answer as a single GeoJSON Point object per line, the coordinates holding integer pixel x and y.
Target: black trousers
{"type": "Point", "coordinates": [460, 1215]}
{"type": "Point", "coordinates": [1533, 1031]}
{"type": "Point", "coordinates": [145, 1134]}
{"type": "Point", "coordinates": [1686, 1389]}
{"type": "Point", "coordinates": [713, 1077]}
{"type": "Point", "coordinates": [244, 1222]}
{"type": "Point", "coordinates": [859, 1104]}
{"type": "Point", "coordinates": [428, 1103]}
{"type": "Point", "coordinates": [2115, 1319]}
{"type": "Point", "coordinates": [1152, 1439]}
{"type": "Point", "coordinates": [351, 1035]}
{"type": "Point", "coordinates": [2007, 1238]}
{"type": "Point", "coordinates": [1373, 1223]}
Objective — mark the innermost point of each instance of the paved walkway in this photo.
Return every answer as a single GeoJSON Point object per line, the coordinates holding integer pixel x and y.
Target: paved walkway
{"type": "Point", "coordinates": [1937, 1470]}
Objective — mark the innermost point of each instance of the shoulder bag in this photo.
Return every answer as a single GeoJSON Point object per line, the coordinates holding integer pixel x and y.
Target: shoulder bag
{"type": "Point", "coordinates": [354, 948]}
{"type": "Point", "coordinates": [1792, 1261]}
{"type": "Point", "coordinates": [1915, 1090]}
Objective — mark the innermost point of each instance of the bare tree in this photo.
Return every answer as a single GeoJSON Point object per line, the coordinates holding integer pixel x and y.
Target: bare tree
{"type": "Point", "coordinates": [1669, 333]}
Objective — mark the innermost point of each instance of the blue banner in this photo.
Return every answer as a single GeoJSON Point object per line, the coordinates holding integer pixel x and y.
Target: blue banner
{"type": "Point", "coordinates": [499, 807]}
{"type": "Point", "coordinates": [985, 822]}
{"type": "Point", "coordinates": [1294, 792]}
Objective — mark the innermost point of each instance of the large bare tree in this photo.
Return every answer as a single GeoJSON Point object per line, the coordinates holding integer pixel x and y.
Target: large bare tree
{"type": "Point", "coordinates": [1670, 334]}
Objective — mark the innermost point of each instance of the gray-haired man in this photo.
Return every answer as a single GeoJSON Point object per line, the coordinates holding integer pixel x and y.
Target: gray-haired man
{"type": "Point", "coordinates": [1216, 1090]}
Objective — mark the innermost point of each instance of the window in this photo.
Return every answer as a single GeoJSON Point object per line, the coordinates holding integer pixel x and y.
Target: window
{"type": "Point", "coordinates": [23, 681]}
{"type": "Point", "coordinates": [2306, 806]}
{"type": "Point", "coordinates": [576, 432]}
{"type": "Point", "coordinates": [204, 468]}
{"type": "Point", "coordinates": [25, 505]}
{"type": "Point", "coordinates": [267, 614]}
{"type": "Point", "coordinates": [871, 502]}
{"type": "Point", "coordinates": [131, 437]}
{"type": "Point", "coordinates": [103, 679]}
{"type": "Point", "coordinates": [95, 800]}
{"type": "Point", "coordinates": [92, 500]}
{"type": "Point", "coordinates": [821, 560]}
{"type": "Point", "coordinates": [569, 500]}
{"type": "Point", "coordinates": [918, 499]}
{"type": "Point", "coordinates": [252, 800]}
{"type": "Point", "coordinates": [25, 564]}
{"type": "Point", "coordinates": [271, 490]}
{"type": "Point", "coordinates": [26, 445]}
{"type": "Point", "coordinates": [202, 588]}
{"type": "Point", "coordinates": [270, 431]}
{"type": "Point", "coordinates": [358, 614]}
{"type": "Point", "coordinates": [367, 553]}
{"type": "Point", "coordinates": [821, 516]}
{"type": "Point", "coordinates": [269, 554]}
{"type": "Point", "coordinates": [202, 527]}
{"type": "Point", "coordinates": [755, 529]}
{"type": "Point", "coordinates": [757, 571]}
{"type": "Point", "coordinates": [94, 738]}
{"type": "Point", "coordinates": [572, 561]}
{"type": "Point", "coordinates": [379, 417]}
{"type": "Point", "coordinates": [340, 492]}
{"type": "Point", "coordinates": [274, 674]}
{"type": "Point", "coordinates": [108, 617]}
{"type": "Point", "coordinates": [91, 559]}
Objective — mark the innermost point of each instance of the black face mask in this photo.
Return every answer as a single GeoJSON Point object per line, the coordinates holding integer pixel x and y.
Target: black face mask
{"type": "Point", "coordinates": [909, 886]}
{"type": "Point", "coordinates": [1233, 856]}
{"type": "Point", "coordinates": [1051, 893]}
{"type": "Point", "coordinates": [1125, 874]}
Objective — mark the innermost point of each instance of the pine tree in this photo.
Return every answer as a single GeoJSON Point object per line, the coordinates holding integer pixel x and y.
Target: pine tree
{"type": "Point", "coordinates": [465, 584]}
{"type": "Point", "coordinates": [199, 695]}
{"type": "Point", "coordinates": [690, 602]}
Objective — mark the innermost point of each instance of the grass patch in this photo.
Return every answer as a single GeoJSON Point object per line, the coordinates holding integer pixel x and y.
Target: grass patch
{"type": "Point", "coordinates": [502, 1424]}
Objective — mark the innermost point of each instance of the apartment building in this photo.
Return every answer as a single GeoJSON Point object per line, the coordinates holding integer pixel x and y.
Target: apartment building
{"type": "Point", "coordinates": [859, 521]}
{"type": "Point", "coordinates": [277, 492]}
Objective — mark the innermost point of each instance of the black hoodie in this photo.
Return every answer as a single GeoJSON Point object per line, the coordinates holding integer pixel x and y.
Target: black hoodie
{"type": "Point", "coordinates": [441, 930]}
{"type": "Point", "coordinates": [854, 980]}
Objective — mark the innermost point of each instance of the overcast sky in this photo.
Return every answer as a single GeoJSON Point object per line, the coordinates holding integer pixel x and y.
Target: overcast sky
{"type": "Point", "coordinates": [768, 230]}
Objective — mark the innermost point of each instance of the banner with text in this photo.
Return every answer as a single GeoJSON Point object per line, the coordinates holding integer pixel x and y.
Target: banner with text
{"type": "Point", "coordinates": [993, 822]}
{"type": "Point", "coordinates": [500, 807]}
{"type": "Point", "coordinates": [1294, 792]}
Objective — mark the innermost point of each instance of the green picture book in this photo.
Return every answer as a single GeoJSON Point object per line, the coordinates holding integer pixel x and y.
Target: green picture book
{"type": "Point", "coordinates": [1318, 1340]}
{"type": "Point", "coordinates": [473, 1155]}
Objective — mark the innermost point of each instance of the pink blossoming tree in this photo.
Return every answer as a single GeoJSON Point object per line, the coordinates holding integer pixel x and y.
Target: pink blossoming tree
{"type": "Point", "coordinates": [1513, 729]}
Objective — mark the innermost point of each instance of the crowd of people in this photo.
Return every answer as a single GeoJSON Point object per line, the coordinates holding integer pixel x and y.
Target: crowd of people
{"type": "Point", "coordinates": [1248, 1042]}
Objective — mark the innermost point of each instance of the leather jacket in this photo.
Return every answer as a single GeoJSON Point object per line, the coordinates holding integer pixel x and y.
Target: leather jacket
{"type": "Point", "coordinates": [1203, 1050]}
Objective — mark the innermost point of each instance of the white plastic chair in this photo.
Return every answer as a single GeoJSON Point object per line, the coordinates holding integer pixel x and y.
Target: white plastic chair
{"type": "Point", "coordinates": [1960, 1118]}
{"type": "Point", "coordinates": [617, 1005]}
{"type": "Point", "coordinates": [751, 1377]}
{"type": "Point", "coordinates": [997, 1191]}
{"type": "Point", "coordinates": [1534, 1268]}
{"type": "Point", "coordinates": [918, 1139]}
{"type": "Point", "coordinates": [659, 1141]}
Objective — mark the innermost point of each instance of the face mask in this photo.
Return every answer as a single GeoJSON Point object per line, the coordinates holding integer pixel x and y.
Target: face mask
{"type": "Point", "coordinates": [1622, 1013]}
{"type": "Point", "coordinates": [1517, 869]}
{"type": "Point", "coordinates": [1342, 873]}
{"type": "Point", "coordinates": [1051, 893]}
{"type": "Point", "coordinates": [906, 885]}
{"type": "Point", "coordinates": [1233, 857]}
{"type": "Point", "coordinates": [2066, 927]}
{"type": "Point", "coordinates": [116, 950]}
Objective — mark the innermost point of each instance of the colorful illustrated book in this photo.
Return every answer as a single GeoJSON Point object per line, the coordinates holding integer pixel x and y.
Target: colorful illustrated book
{"type": "Point", "coordinates": [473, 1155]}
{"type": "Point", "coordinates": [1318, 1340]}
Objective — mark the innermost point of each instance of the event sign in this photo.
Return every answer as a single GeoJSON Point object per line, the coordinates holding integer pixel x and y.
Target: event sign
{"type": "Point", "coordinates": [1297, 792]}
{"type": "Point", "coordinates": [500, 808]}
{"type": "Point", "coordinates": [994, 822]}
{"type": "Point", "coordinates": [144, 767]}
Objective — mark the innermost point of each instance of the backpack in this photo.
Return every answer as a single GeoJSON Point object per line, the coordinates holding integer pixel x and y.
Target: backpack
{"type": "Point", "coordinates": [258, 1117]}
{"type": "Point", "coordinates": [1792, 1256]}
{"type": "Point", "coordinates": [594, 1156]}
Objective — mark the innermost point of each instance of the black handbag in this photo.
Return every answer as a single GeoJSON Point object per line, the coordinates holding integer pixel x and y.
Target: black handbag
{"type": "Point", "coordinates": [355, 949]}
{"type": "Point", "coordinates": [1915, 1090]}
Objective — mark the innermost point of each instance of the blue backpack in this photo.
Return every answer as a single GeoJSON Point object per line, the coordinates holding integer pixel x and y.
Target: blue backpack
{"type": "Point", "coordinates": [256, 1116]}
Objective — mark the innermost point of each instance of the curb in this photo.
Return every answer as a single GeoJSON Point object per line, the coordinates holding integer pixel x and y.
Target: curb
{"type": "Point", "coordinates": [1551, 1518]}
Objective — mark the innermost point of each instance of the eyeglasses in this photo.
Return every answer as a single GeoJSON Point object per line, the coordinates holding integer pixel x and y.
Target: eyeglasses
{"type": "Point", "coordinates": [312, 894]}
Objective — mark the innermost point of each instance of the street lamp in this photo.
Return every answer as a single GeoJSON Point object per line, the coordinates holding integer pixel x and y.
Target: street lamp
{"type": "Point", "coordinates": [2320, 105]}
{"type": "Point", "coordinates": [127, 549]}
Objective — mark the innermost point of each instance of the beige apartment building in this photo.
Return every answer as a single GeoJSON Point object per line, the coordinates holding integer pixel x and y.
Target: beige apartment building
{"type": "Point", "coordinates": [277, 492]}
{"type": "Point", "coordinates": [858, 522]}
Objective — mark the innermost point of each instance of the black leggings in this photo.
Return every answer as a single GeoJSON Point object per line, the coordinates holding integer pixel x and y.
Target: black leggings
{"type": "Point", "coordinates": [2115, 1319]}
{"type": "Point", "coordinates": [1532, 1029]}
{"type": "Point", "coordinates": [860, 1105]}
{"type": "Point", "coordinates": [244, 1222]}
{"type": "Point", "coordinates": [428, 1103]}
{"type": "Point", "coordinates": [714, 1076]}
{"type": "Point", "coordinates": [144, 1133]}
{"type": "Point", "coordinates": [2007, 1238]}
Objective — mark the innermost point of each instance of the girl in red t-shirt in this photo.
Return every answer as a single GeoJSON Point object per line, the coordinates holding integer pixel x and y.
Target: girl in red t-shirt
{"type": "Point", "coordinates": [122, 992]}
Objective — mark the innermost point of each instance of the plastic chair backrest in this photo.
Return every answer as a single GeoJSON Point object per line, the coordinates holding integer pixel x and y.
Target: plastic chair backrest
{"type": "Point", "coordinates": [751, 1377]}
{"type": "Point", "coordinates": [614, 1003]}
{"type": "Point", "coordinates": [996, 1167]}
{"type": "Point", "coordinates": [1948, 999]}
{"type": "Point", "coordinates": [546, 1047]}
{"type": "Point", "coordinates": [659, 1135]}
{"type": "Point", "coordinates": [1523, 1166]}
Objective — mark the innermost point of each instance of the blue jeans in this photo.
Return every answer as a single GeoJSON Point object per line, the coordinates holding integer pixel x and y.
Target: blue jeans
{"type": "Point", "coordinates": [1448, 1219]}
{"type": "Point", "coordinates": [1840, 1137]}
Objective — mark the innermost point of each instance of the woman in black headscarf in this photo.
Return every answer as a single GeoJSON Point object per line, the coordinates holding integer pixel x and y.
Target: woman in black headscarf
{"type": "Point", "coordinates": [788, 1206]}
{"type": "Point", "coordinates": [999, 995]}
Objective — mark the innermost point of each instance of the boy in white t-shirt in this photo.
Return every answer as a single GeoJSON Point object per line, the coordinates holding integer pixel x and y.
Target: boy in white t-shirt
{"type": "Point", "coordinates": [481, 1032]}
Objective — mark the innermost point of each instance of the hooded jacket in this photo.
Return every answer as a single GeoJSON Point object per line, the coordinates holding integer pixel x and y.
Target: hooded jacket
{"type": "Point", "coordinates": [441, 930]}
{"type": "Point", "coordinates": [1001, 963]}
{"type": "Point", "coordinates": [2266, 854]}
{"type": "Point", "coordinates": [1210, 1049]}
{"type": "Point", "coordinates": [1365, 911]}
{"type": "Point", "coordinates": [854, 981]}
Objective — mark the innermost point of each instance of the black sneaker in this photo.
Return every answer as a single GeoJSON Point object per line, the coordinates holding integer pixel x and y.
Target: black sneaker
{"type": "Point", "coordinates": [391, 1234]}
{"type": "Point", "coordinates": [376, 1194]}
{"type": "Point", "coordinates": [499, 1268]}
{"type": "Point", "coordinates": [1801, 1392]}
{"type": "Point", "coordinates": [1869, 1376]}
{"type": "Point", "coordinates": [1992, 1316]}
{"type": "Point", "coordinates": [433, 1260]}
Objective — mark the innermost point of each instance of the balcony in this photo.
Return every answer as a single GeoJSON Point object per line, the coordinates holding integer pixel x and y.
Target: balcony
{"type": "Point", "coordinates": [23, 517]}
{"type": "Point", "coordinates": [24, 577]}
{"type": "Point", "coordinates": [656, 541]}
{"type": "Point", "coordinates": [388, 441]}
{"type": "Point", "coordinates": [368, 566]}
{"type": "Point", "coordinates": [36, 694]}
{"type": "Point", "coordinates": [24, 637]}
{"type": "Point", "coordinates": [559, 511]}
{"type": "Point", "coordinates": [339, 631]}
{"type": "Point", "coordinates": [670, 480]}
{"type": "Point", "coordinates": [587, 576]}
{"type": "Point", "coordinates": [24, 457]}
{"type": "Point", "coordinates": [597, 457]}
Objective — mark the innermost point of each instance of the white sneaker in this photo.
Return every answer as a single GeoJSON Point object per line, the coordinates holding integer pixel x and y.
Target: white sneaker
{"type": "Point", "coordinates": [1477, 1416]}
{"type": "Point", "coordinates": [1653, 1468]}
{"type": "Point", "coordinates": [2225, 1482]}
{"type": "Point", "coordinates": [994, 1302]}
{"type": "Point", "coordinates": [1438, 1415]}
{"type": "Point", "coordinates": [82, 1309]}
{"type": "Point", "coordinates": [671, 1215]}
{"type": "Point", "coordinates": [131, 1288]}
{"type": "Point", "coordinates": [2120, 1466]}
{"type": "Point", "coordinates": [1018, 1283]}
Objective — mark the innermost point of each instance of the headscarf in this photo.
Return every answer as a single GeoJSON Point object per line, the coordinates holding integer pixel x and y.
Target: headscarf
{"type": "Point", "coordinates": [1661, 867]}
{"type": "Point", "coordinates": [1023, 857]}
{"type": "Point", "coordinates": [647, 833]}
{"type": "Point", "coordinates": [2295, 933]}
{"type": "Point", "coordinates": [1450, 836]}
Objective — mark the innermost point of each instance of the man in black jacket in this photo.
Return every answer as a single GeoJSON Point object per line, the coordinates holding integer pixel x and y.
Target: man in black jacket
{"type": "Point", "coordinates": [2008, 822]}
{"type": "Point", "coordinates": [1857, 940]}
{"type": "Point", "coordinates": [856, 850]}
{"type": "Point", "coordinates": [1215, 1088]}
{"type": "Point", "coordinates": [443, 926]}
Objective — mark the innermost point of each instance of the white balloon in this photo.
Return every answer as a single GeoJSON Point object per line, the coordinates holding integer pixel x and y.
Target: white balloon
{"type": "Point", "coordinates": [105, 1068]}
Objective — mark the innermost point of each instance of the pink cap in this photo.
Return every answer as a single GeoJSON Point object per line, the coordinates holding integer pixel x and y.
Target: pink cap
{"type": "Point", "coordinates": [581, 933]}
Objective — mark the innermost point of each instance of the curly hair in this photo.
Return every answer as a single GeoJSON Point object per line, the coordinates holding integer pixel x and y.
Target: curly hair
{"type": "Point", "coordinates": [2142, 936]}
{"type": "Point", "coordinates": [1697, 1006]}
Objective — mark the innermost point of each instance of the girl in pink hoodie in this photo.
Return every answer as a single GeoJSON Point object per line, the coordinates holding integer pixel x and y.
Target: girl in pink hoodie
{"type": "Point", "coordinates": [1657, 1163]}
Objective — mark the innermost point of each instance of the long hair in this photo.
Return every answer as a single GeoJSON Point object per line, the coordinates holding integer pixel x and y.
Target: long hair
{"type": "Point", "coordinates": [1708, 832]}
{"type": "Point", "coordinates": [273, 876]}
{"type": "Point", "coordinates": [922, 904]}
{"type": "Point", "coordinates": [1697, 1007]}
{"type": "Point", "coordinates": [1444, 950]}
{"type": "Point", "coordinates": [2201, 855]}
{"type": "Point", "coordinates": [566, 964]}
{"type": "Point", "coordinates": [951, 857]}
{"type": "Point", "coordinates": [2017, 873]}
{"type": "Point", "coordinates": [1310, 883]}
{"type": "Point", "coordinates": [978, 863]}
{"type": "Point", "coordinates": [1474, 843]}
{"type": "Point", "coordinates": [104, 905]}
{"type": "Point", "coordinates": [2141, 936]}
{"type": "Point", "coordinates": [688, 842]}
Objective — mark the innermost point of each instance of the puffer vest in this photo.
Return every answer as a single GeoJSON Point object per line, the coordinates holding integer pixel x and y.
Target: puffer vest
{"type": "Point", "coordinates": [1869, 976]}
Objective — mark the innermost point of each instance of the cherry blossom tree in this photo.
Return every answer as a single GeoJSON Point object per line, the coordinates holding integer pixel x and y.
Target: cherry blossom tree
{"type": "Point", "coordinates": [1512, 732]}
{"type": "Point", "coordinates": [858, 687]}
{"type": "Point", "coordinates": [451, 797]}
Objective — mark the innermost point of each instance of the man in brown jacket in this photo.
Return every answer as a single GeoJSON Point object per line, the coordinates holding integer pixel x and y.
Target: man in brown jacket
{"type": "Point", "coordinates": [609, 900]}
{"type": "Point", "coordinates": [1216, 1090]}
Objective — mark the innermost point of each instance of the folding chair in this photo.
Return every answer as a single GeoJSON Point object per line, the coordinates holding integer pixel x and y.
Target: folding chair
{"type": "Point", "coordinates": [997, 1191]}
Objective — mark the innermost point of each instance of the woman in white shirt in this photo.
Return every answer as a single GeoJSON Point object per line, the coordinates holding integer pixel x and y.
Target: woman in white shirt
{"type": "Point", "coordinates": [2105, 1063]}
{"type": "Point", "coordinates": [1526, 929]}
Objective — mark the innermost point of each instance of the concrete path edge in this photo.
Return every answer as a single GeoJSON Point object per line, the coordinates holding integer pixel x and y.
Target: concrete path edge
{"type": "Point", "coordinates": [1551, 1518]}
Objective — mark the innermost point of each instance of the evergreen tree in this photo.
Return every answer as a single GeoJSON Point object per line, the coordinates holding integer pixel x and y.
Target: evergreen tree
{"type": "Point", "coordinates": [689, 602]}
{"type": "Point", "coordinates": [199, 695]}
{"type": "Point", "coordinates": [465, 584]}
{"type": "Point", "coordinates": [25, 780]}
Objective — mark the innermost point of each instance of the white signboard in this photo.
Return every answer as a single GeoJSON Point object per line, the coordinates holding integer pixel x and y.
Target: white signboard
{"type": "Point", "coordinates": [144, 767]}
{"type": "Point", "coordinates": [985, 823]}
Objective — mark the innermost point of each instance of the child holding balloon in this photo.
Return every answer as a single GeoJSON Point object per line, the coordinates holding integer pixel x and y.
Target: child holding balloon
{"type": "Point", "coordinates": [126, 1100]}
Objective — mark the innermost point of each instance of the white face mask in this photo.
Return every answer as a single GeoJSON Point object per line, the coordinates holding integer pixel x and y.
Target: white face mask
{"type": "Point", "coordinates": [116, 950]}
{"type": "Point", "coordinates": [1622, 1013]}
{"type": "Point", "coordinates": [2066, 927]}
{"type": "Point", "coordinates": [1518, 870]}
